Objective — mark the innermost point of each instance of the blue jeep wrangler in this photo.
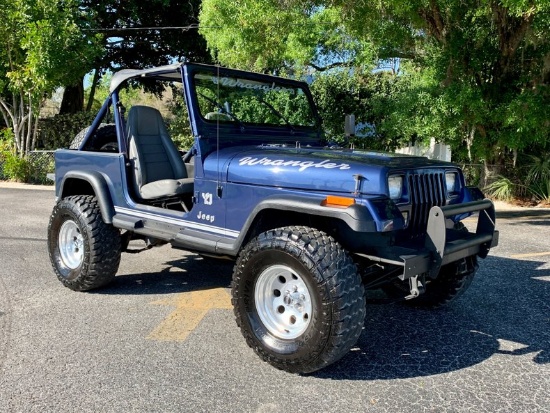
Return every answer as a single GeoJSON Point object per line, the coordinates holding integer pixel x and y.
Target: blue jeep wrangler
{"type": "Point", "coordinates": [310, 227]}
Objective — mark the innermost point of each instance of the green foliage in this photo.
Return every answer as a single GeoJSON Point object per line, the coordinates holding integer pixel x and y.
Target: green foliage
{"type": "Point", "coordinates": [178, 122]}
{"type": "Point", "coordinates": [502, 189]}
{"type": "Point", "coordinates": [359, 92]}
{"type": "Point", "coordinates": [472, 74]}
{"type": "Point", "coordinates": [42, 48]}
{"type": "Point", "coordinates": [41, 163]}
{"type": "Point", "coordinates": [131, 95]}
{"type": "Point", "coordinates": [129, 43]}
{"type": "Point", "coordinates": [267, 35]}
{"type": "Point", "coordinates": [230, 98]}
{"type": "Point", "coordinates": [482, 67]}
{"type": "Point", "coordinates": [170, 102]}
{"type": "Point", "coordinates": [6, 135]}
{"type": "Point", "coordinates": [538, 168]}
{"type": "Point", "coordinates": [529, 179]}
{"type": "Point", "coordinates": [59, 131]}
{"type": "Point", "coordinates": [538, 176]}
{"type": "Point", "coordinates": [32, 169]}
{"type": "Point", "coordinates": [12, 167]}
{"type": "Point", "coordinates": [541, 191]}
{"type": "Point", "coordinates": [16, 168]}
{"type": "Point", "coordinates": [126, 48]}
{"type": "Point", "coordinates": [415, 112]}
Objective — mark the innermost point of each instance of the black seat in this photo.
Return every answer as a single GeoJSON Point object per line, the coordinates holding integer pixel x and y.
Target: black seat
{"type": "Point", "coordinates": [159, 171]}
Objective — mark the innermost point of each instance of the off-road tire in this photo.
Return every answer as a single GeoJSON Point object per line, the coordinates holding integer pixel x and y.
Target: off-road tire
{"type": "Point", "coordinates": [103, 140]}
{"type": "Point", "coordinates": [334, 298]}
{"type": "Point", "coordinates": [446, 288]}
{"type": "Point", "coordinates": [84, 250]}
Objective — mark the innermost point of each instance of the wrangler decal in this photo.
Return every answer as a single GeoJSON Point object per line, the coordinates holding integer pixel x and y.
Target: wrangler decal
{"type": "Point", "coordinates": [302, 165]}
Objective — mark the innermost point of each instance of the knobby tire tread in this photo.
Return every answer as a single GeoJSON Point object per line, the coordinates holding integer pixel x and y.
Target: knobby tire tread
{"type": "Point", "coordinates": [102, 260]}
{"type": "Point", "coordinates": [345, 305]}
{"type": "Point", "coordinates": [446, 288]}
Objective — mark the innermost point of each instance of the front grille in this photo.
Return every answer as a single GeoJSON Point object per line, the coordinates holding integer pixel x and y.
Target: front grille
{"type": "Point", "coordinates": [425, 191]}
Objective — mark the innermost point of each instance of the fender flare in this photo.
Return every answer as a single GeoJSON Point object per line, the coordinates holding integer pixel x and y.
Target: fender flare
{"type": "Point", "coordinates": [100, 187]}
{"type": "Point", "coordinates": [357, 217]}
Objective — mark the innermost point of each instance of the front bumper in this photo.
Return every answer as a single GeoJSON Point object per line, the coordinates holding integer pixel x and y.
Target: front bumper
{"type": "Point", "coordinates": [443, 245]}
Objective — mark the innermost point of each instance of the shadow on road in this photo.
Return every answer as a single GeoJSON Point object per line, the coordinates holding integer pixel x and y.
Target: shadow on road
{"type": "Point", "coordinates": [506, 311]}
{"type": "Point", "coordinates": [524, 213]}
{"type": "Point", "coordinates": [190, 273]}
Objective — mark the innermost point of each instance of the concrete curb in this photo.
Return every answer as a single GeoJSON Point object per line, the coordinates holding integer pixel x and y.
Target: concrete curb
{"type": "Point", "coordinates": [19, 185]}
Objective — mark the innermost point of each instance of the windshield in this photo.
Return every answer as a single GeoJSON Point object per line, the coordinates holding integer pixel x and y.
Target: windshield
{"type": "Point", "coordinates": [249, 101]}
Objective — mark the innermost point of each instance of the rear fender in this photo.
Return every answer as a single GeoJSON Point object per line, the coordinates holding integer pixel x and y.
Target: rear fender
{"type": "Point", "coordinates": [84, 182]}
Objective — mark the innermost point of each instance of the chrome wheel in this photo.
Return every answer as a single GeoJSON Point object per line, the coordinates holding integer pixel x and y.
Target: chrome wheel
{"type": "Point", "coordinates": [283, 302]}
{"type": "Point", "coordinates": [71, 244]}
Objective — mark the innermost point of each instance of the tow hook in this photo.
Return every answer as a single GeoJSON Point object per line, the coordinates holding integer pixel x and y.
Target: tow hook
{"type": "Point", "coordinates": [416, 286]}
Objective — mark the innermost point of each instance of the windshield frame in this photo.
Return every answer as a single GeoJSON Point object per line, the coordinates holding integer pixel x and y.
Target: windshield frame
{"type": "Point", "coordinates": [296, 133]}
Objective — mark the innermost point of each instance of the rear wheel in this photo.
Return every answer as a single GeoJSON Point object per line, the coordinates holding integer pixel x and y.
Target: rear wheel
{"type": "Point", "coordinates": [298, 299]}
{"type": "Point", "coordinates": [84, 250]}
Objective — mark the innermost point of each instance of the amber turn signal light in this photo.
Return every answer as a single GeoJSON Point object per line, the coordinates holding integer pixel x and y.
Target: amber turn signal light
{"type": "Point", "coordinates": [337, 201]}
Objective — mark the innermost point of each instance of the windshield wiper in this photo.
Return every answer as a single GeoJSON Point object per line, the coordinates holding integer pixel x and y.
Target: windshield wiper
{"type": "Point", "coordinates": [223, 110]}
{"type": "Point", "coordinates": [279, 114]}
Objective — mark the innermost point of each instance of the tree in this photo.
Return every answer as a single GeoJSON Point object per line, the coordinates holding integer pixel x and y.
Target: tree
{"type": "Point", "coordinates": [137, 34]}
{"type": "Point", "coordinates": [271, 35]}
{"type": "Point", "coordinates": [362, 93]}
{"type": "Point", "coordinates": [473, 72]}
{"type": "Point", "coordinates": [42, 48]}
{"type": "Point", "coordinates": [482, 66]}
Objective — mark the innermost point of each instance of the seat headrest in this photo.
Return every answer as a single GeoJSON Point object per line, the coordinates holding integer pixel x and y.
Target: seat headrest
{"type": "Point", "coordinates": [145, 120]}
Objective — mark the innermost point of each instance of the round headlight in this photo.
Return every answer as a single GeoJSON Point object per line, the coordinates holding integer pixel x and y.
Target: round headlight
{"type": "Point", "coordinates": [395, 186]}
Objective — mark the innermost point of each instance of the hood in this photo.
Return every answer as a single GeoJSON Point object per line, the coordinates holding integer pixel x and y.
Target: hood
{"type": "Point", "coordinates": [323, 170]}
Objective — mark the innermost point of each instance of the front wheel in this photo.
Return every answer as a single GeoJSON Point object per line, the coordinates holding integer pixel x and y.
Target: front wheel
{"type": "Point", "coordinates": [298, 298]}
{"type": "Point", "coordinates": [84, 250]}
{"type": "Point", "coordinates": [452, 281]}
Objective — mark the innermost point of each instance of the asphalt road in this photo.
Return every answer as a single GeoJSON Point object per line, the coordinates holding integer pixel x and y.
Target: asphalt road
{"type": "Point", "coordinates": [163, 338]}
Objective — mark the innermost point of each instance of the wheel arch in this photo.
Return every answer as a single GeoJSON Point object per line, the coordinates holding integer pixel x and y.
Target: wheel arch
{"type": "Point", "coordinates": [89, 183]}
{"type": "Point", "coordinates": [283, 211]}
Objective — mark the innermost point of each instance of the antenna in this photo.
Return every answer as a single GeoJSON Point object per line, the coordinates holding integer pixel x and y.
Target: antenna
{"type": "Point", "coordinates": [218, 173]}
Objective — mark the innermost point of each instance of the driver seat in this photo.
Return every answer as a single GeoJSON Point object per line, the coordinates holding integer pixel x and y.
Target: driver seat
{"type": "Point", "coordinates": [159, 172]}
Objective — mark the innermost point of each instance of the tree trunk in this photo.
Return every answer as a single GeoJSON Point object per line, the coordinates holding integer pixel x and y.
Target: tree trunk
{"type": "Point", "coordinates": [92, 90]}
{"type": "Point", "coordinates": [73, 99]}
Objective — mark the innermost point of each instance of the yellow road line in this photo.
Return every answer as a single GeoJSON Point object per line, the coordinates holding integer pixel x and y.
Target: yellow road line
{"type": "Point", "coordinates": [534, 254]}
{"type": "Point", "coordinates": [191, 307]}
